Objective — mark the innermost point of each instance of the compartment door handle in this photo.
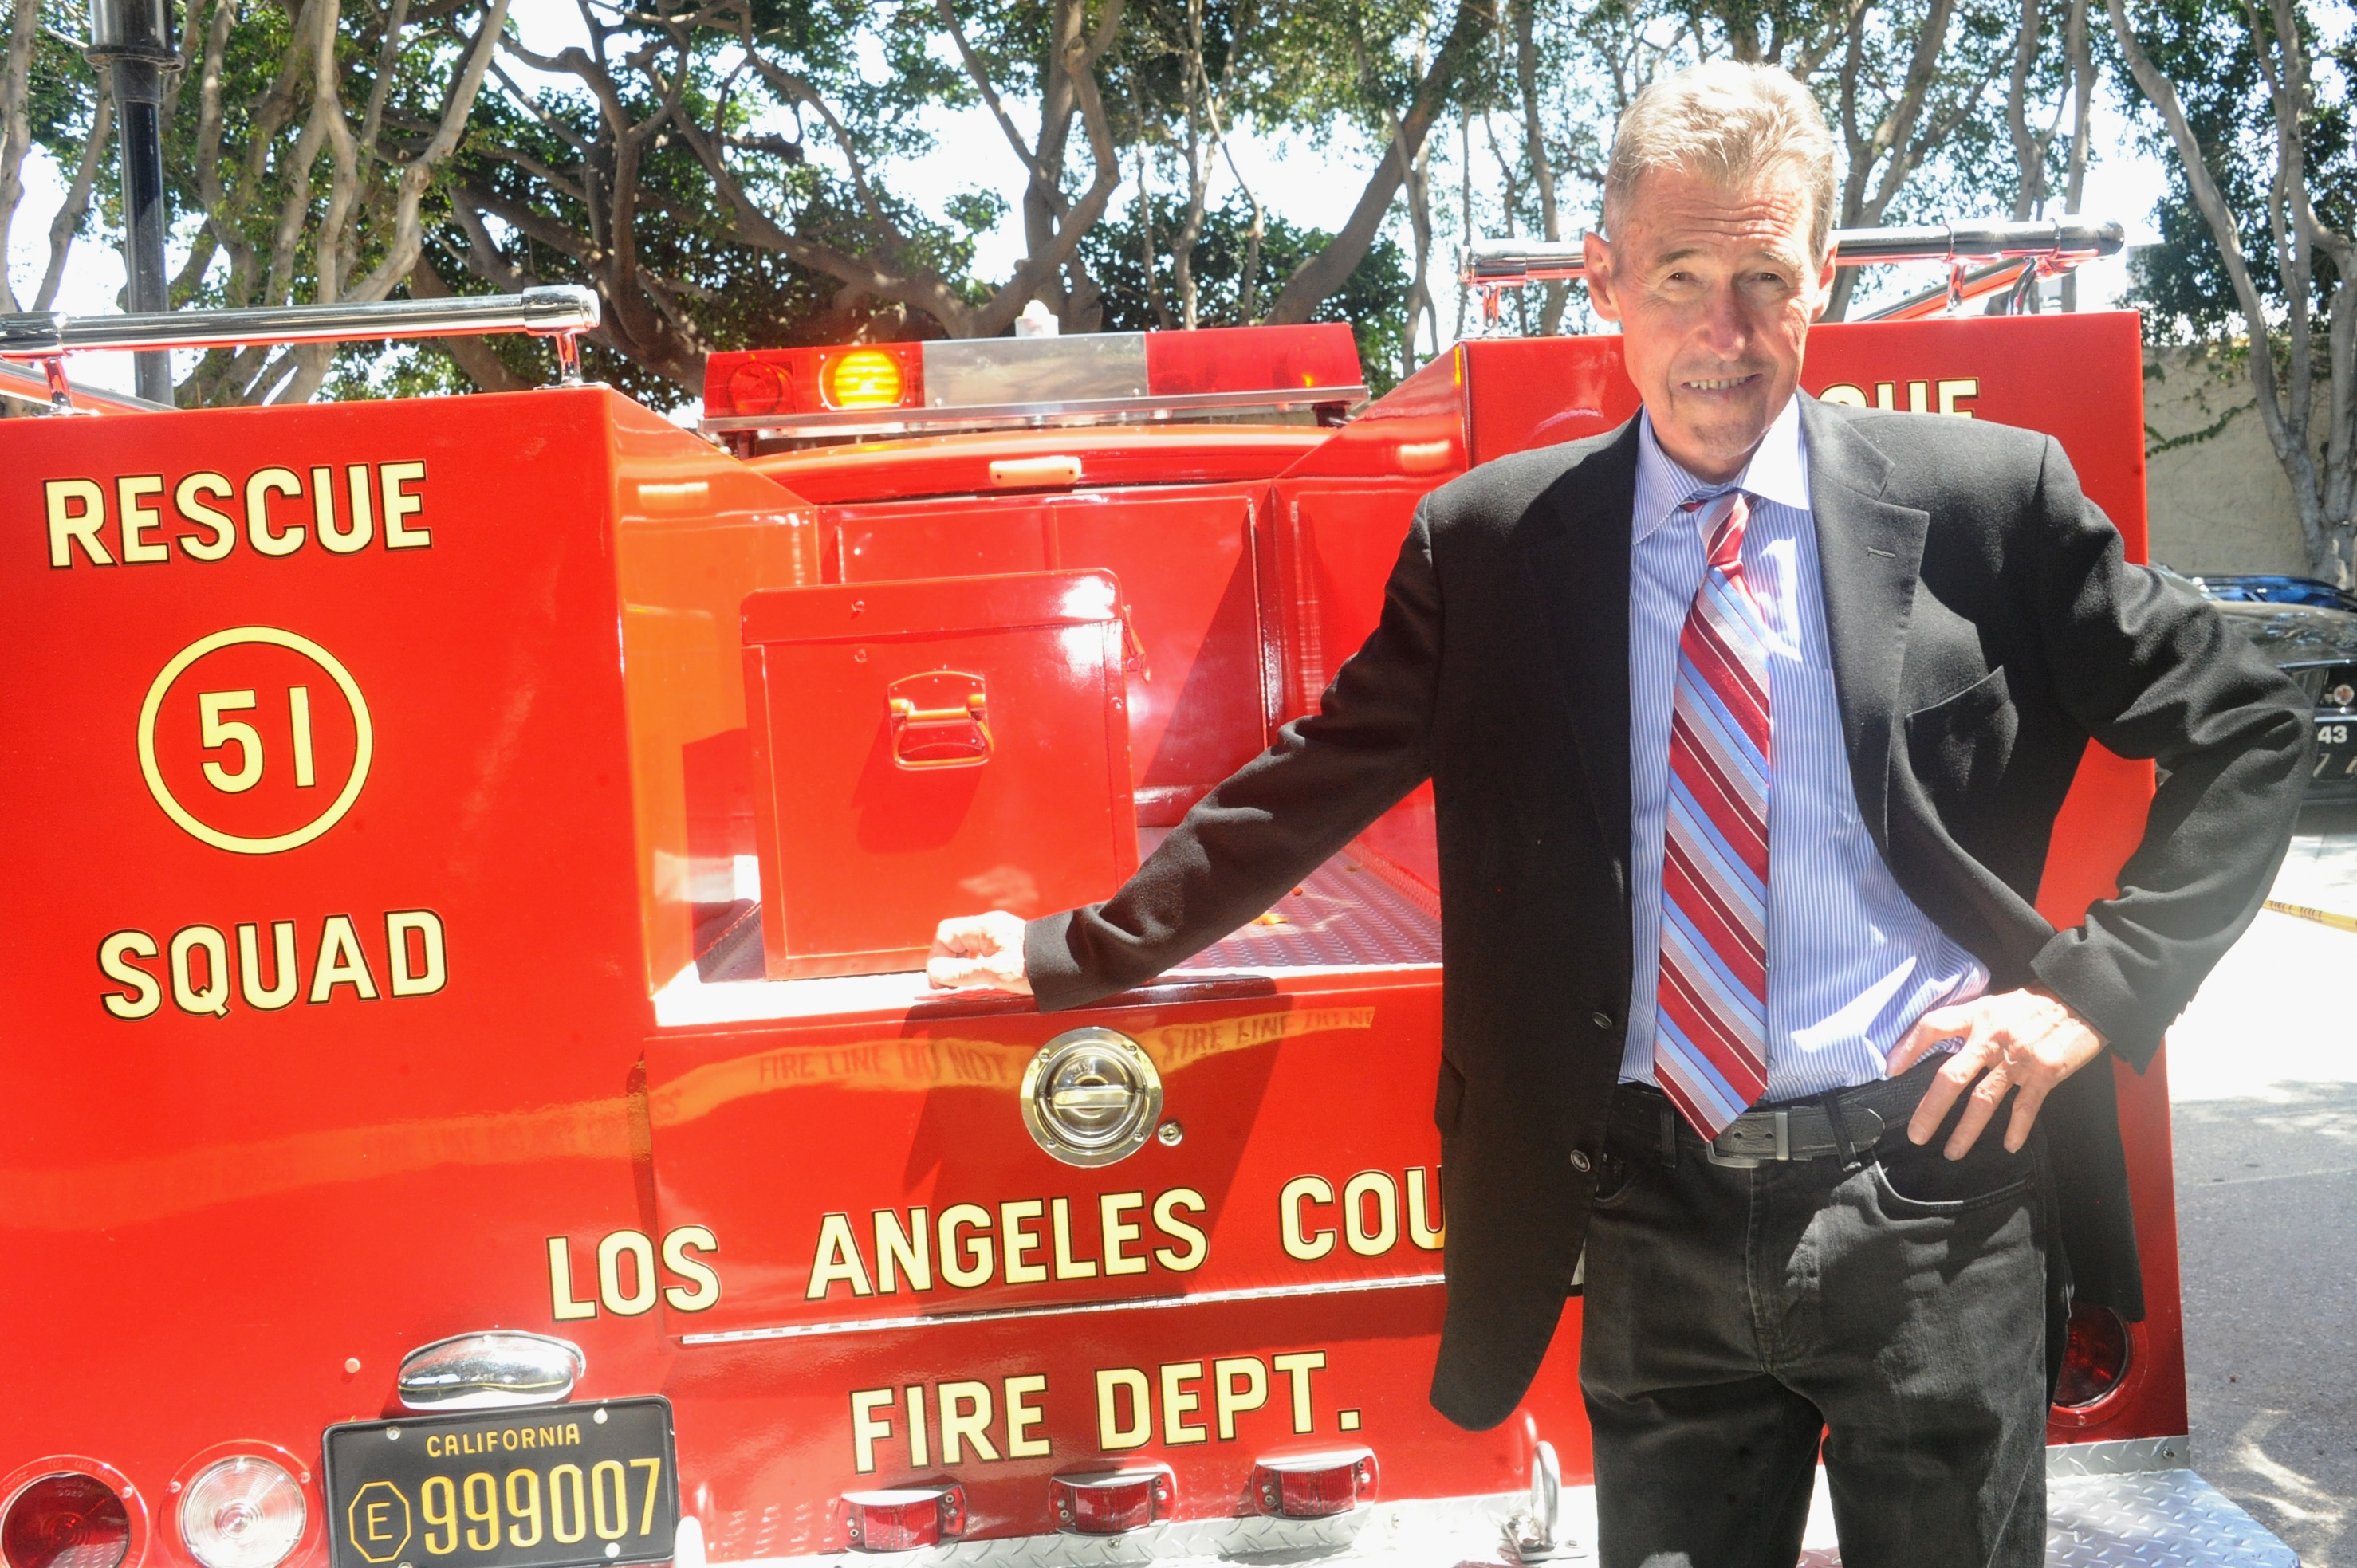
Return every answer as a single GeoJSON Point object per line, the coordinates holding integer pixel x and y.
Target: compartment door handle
{"type": "Point", "coordinates": [938, 719]}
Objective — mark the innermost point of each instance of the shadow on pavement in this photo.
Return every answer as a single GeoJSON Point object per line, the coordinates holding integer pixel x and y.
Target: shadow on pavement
{"type": "Point", "coordinates": [2266, 1204]}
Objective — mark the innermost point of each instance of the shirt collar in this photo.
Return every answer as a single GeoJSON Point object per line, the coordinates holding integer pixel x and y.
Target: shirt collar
{"type": "Point", "coordinates": [1778, 471]}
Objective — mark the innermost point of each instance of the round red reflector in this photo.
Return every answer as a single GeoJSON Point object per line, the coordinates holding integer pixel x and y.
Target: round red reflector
{"type": "Point", "coordinates": [68, 1521]}
{"type": "Point", "coordinates": [2096, 1358]}
{"type": "Point", "coordinates": [864, 378]}
{"type": "Point", "coordinates": [757, 387]}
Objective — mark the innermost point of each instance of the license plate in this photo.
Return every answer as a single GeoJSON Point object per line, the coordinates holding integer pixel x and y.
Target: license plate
{"type": "Point", "coordinates": [553, 1486]}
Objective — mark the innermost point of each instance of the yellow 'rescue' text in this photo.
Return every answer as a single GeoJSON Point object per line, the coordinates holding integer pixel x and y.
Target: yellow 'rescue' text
{"type": "Point", "coordinates": [135, 520]}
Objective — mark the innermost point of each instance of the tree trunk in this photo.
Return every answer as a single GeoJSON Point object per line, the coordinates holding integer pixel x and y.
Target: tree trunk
{"type": "Point", "coordinates": [16, 127]}
{"type": "Point", "coordinates": [2324, 495]}
{"type": "Point", "coordinates": [71, 211]}
{"type": "Point", "coordinates": [1419, 220]}
{"type": "Point", "coordinates": [474, 355]}
{"type": "Point", "coordinates": [2029, 148]}
{"type": "Point", "coordinates": [2083, 95]}
{"type": "Point", "coordinates": [1322, 273]}
{"type": "Point", "coordinates": [1526, 76]}
{"type": "Point", "coordinates": [1891, 147]}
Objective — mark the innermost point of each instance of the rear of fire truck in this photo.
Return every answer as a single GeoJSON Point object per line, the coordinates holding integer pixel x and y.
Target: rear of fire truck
{"type": "Point", "coordinates": [476, 1103]}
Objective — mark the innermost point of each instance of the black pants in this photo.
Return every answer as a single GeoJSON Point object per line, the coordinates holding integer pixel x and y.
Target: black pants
{"type": "Point", "coordinates": [1894, 1308]}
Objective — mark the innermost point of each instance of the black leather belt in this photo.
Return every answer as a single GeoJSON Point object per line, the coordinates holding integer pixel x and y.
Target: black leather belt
{"type": "Point", "coordinates": [1844, 1123]}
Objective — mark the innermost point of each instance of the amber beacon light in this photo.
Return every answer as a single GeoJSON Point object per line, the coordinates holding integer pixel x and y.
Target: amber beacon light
{"type": "Point", "coordinates": [864, 378]}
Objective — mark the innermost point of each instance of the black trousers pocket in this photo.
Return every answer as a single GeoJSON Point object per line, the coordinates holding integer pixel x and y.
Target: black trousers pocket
{"type": "Point", "coordinates": [1920, 1179]}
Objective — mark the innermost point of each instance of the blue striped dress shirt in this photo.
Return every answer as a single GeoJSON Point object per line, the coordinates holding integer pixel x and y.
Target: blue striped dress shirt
{"type": "Point", "coordinates": [1852, 962]}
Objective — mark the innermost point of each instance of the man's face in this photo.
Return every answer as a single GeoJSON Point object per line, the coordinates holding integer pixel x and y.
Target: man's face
{"type": "Point", "coordinates": [1714, 290]}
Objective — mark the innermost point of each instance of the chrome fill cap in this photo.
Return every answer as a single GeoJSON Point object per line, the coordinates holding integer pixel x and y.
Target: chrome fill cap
{"type": "Point", "coordinates": [1092, 1096]}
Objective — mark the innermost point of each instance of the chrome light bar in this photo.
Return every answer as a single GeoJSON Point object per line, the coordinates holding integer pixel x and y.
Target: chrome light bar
{"type": "Point", "coordinates": [562, 311]}
{"type": "Point", "coordinates": [1040, 415]}
{"type": "Point", "coordinates": [2053, 246]}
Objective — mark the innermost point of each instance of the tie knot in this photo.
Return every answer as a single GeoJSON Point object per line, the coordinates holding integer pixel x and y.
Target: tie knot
{"type": "Point", "coordinates": [1723, 514]}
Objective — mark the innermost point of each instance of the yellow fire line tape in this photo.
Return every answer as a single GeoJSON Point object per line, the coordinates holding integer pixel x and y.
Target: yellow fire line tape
{"type": "Point", "coordinates": [2321, 917]}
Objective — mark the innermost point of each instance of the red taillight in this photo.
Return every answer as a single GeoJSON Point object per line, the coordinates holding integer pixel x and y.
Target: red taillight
{"type": "Point", "coordinates": [66, 1520]}
{"type": "Point", "coordinates": [1313, 1485]}
{"type": "Point", "coordinates": [758, 386]}
{"type": "Point", "coordinates": [2096, 1358]}
{"type": "Point", "coordinates": [1254, 358]}
{"type": "Point", "coordinates": [905, 1518]}
{"type": "Point", "coordinates": [1113, 1501]}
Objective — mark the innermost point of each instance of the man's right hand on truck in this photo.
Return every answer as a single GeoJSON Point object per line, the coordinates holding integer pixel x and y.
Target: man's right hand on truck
{"type": "Point", "coordinates": [979, 953]}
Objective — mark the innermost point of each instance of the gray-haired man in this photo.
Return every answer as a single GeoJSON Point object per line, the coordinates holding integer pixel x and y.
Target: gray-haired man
{"type": "Point", "coordinates": [1818, 681]}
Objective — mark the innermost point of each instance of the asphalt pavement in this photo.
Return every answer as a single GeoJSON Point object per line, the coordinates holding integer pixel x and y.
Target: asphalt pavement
{"type": "Point", "coordinates": [2262, 1081]}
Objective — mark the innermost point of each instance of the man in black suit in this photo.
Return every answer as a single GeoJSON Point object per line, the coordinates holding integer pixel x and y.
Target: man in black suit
{"type": "Point", "coordinates": [1747, 724]}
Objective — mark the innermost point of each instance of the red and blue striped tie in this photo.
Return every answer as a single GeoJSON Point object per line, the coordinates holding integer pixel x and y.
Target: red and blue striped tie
{"type": "Point", "coordinates": [1710, 1042]}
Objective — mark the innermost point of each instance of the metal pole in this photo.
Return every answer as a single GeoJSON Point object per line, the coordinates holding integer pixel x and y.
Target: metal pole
{"type": "Point", "coordinates": [135, 39]}
{"type": "Point", "coordinates": [139, 99]}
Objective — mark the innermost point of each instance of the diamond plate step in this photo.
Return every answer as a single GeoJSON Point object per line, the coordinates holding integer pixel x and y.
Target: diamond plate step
{"type": "Point", "coordinates": [2109, 1505]}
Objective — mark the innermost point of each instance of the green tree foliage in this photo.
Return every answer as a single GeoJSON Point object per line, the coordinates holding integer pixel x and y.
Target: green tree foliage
{"type": "Point", "coordinates": [2257, 121]}
{"type": "Point", "coordinates": [729, 173]}
{"type": "Point", "coordinates": [2210, 51]}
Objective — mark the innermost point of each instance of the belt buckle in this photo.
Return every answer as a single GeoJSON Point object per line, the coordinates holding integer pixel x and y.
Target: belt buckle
{"type": "Point", "coordinates": [1781, 1120]}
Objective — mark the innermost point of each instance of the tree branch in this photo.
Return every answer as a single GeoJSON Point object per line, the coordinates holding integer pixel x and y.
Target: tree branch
{"type": "Point", "coordinates": [2287, 434]}
{"type": "Point", "coordinates": [1320, 275]}
{"type": "Point", "coordinates": [71, 212]}
{"type": "Point", "coordinates": [475, 356]}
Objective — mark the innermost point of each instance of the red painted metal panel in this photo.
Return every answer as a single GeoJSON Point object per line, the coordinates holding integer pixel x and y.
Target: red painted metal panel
{"type": "Point", "coordinates": [1187, 568]}
{"type": "Point", "coordinates": [1297, 1174]}
{"type": "Point", "coordinates": [926, 745]}
{"type": "Point", "coordinates": [1108, 456]}
{"type": "Point", "coordinates": [774, 1422]}
{"type": "Point", "coordinates": [1187, 559]}
{"type": "Point", "coordinates": [246, 1195]}
{"type": "Point", "coordinates": [1262, 1091]}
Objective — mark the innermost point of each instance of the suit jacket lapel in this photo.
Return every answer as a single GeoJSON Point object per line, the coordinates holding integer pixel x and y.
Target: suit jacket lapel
{"type": "Point", "coordinates": [1578, 544]}
{"type": "Point", "coordinates": [1870, 554]}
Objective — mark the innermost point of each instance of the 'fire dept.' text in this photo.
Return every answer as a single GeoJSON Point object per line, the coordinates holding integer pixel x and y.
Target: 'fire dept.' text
{"type": "Point", "coordinates": [1176, 1402]}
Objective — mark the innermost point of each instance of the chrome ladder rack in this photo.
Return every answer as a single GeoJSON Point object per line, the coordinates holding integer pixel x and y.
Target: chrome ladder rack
{"type": "Point", "coordinates": [561, 311]}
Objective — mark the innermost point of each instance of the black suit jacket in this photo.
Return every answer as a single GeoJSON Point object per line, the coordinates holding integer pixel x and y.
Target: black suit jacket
{"type": "Point", "coordinates": [1983, 626]}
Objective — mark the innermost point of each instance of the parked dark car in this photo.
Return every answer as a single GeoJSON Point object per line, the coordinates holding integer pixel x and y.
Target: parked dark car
{"type": "Point", "coordinates": [2263, 587]}
{"type": "Point", "coordinates": [2314, 644]}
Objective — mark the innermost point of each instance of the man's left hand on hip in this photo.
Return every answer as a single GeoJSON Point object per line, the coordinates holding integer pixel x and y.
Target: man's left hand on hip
{"type": "Point", "coordinates": [2024, 1040]}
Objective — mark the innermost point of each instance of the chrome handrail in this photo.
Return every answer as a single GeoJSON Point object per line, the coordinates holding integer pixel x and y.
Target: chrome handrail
{"type": "Point", "coordinates": [2055, 245]}
{"type": "Point", "coordinates": [562, 311]}
{"type": "Point", "coordinates": [2073, 240]}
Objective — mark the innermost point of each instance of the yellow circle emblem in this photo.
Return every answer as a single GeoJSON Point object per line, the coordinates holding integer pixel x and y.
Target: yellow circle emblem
{"type": "Point", "coordinates": [363, 740]}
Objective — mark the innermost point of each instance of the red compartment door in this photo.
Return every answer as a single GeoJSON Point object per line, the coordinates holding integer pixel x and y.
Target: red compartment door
{"type": "Point", "coordinates": [1186, 561]}
{"type": "Point", "coordinates": [923, 748]}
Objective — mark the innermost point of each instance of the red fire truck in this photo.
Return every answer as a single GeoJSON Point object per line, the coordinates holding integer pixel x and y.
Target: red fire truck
{"type": "Point", "coordinates": [473, 1102]}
